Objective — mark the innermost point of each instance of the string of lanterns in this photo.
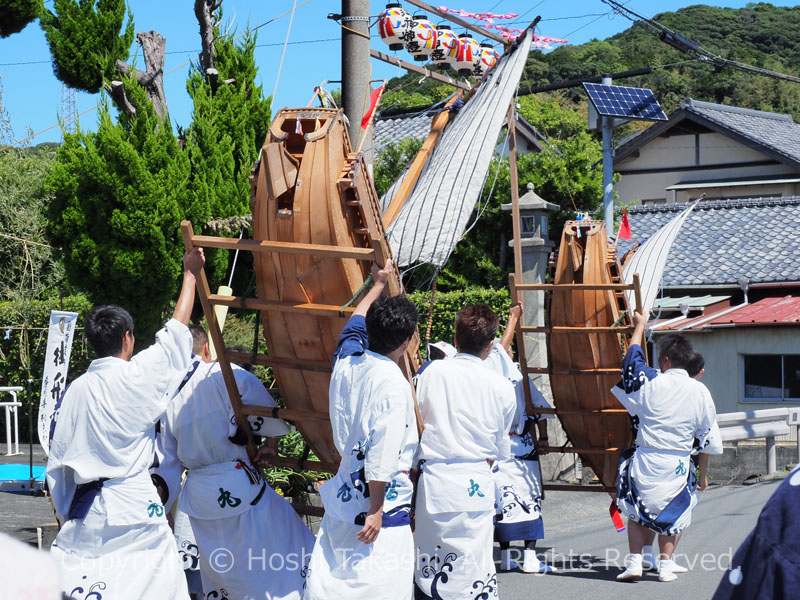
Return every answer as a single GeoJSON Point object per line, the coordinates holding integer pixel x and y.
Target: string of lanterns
{"type": "Point", "coordinates": [439, 44]}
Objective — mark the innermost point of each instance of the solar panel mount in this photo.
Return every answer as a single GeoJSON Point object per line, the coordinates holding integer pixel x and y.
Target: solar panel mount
{"type": "Point", "coordinates": [624, 102]}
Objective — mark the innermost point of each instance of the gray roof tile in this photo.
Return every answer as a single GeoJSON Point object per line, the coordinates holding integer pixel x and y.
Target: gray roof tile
{"type": "Point", "coordinates": [392, 129]}
{"type": "Point", "coordinates": [723, 241]}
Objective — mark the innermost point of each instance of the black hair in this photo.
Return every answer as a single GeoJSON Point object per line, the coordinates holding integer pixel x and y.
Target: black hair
{"type": "Point", "coordinates": [696, 364]}
{"type": "Point", "coordinates": [476, 326]}
{"type": "Point", "coordinates": [199, 338]}
{"type": "Point", "coordinates": [436, 353]}
{"type": "Point", "coordinates": [105, 328]}
{"type": "Point", "coordinates": [677, 348]}
{"type": "Point", "coordinates": [390, 322]}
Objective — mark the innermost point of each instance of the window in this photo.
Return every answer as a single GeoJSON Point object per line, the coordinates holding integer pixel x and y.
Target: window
{"type": "Point", "coordinates": [772, 378]}
{"type": "Point", "coordinates": [653, 201]}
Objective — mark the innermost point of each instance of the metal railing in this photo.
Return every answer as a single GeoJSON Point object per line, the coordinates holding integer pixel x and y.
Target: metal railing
{"type": "Point", "coordinates": [765, 423]}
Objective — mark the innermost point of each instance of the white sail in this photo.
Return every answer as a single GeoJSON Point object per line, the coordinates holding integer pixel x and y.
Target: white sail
{"type": "Point", "coordinates": [437, 211]}
{"type": "Point", "coordinates": [650, 258]}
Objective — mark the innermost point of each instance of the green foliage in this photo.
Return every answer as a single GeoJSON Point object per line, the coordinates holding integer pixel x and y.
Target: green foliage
{"type": "Point", "coordinates": [23, 342]}
{"type": "Point", "coordinates": [392, 160]}
{"type": "Point", "coordinates": [16, 14]}
{"type": "Point", "coordinates": [229, 125]}
{"type": "Point", "coordinates": [118, 198]}
{"type": "Point", "coordinates": [86, 38]}
{"type": "Point", "coordinates": [407, 92]}
{"type": "Point", "coordinates": [289, 482]}
{"type": "Point", "coordinates": [447, 304]}
{"type": "Point", "coordinates": [29, 267]}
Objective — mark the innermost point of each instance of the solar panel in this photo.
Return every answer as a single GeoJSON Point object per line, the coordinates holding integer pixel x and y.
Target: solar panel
{"type": "Point", "coordinates": [624, 102]}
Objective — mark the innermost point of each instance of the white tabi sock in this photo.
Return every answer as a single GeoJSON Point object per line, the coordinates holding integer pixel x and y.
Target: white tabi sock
{"type": "Point", "coordinates": [633, 568]}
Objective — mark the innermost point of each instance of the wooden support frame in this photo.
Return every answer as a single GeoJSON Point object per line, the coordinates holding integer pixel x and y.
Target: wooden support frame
{"type": "Point", "coordinates": [417, 69]}
{"type": "Point", "coordinates": [289, 414]}
{"type": "Point", "coordinates": [236, 356]}
{"type": "Point", "coordinates": [318, 250]}
{"type": "Point", "coordinates": [215, 332]}
{"type": "Point", "coordinates": [325, 310]}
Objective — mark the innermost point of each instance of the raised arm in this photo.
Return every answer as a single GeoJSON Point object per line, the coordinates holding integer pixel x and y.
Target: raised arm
{"type": "Point", "coordinates": [379, 279]}
{"type": "Point", "coordinates": [639, 325]}
{"type": "Point", "coordinates": [192, 263]}
{"type": "Point", "coordinates": [514, 314]}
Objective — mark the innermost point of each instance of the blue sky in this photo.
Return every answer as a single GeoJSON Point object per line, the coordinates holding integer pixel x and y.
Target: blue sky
{"type": "Point", "coordinates": [32, 95]}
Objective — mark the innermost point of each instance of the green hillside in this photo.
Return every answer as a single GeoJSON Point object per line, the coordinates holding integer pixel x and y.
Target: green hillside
{"type": "Point", "coordinates": [761, 35]}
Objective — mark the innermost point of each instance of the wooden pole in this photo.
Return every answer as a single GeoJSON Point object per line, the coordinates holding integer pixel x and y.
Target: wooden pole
{"type": "Point", "coordinates": [417, 69]}
{"type": "Point", "coordinates": [215, 332]}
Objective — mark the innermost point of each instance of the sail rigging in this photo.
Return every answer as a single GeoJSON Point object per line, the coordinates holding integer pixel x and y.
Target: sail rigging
{"type": "Point", "coordinates": [437, 211]}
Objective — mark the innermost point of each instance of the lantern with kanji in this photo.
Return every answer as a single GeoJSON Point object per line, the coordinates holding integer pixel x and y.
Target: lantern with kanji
{"type": "Point", "coordinates": [393, 25]}
{"type": "Point", "coordinates": [421, 37]}
{"type": "Point", "coordinates": [468, 51]}
{"type": "Point", "coordinates": [487, 59]}
{"type": "Point", "coordinates": [446, 46]}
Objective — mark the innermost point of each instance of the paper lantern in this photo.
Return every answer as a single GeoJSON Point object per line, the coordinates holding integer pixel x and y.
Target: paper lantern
{"type": "Point", "coordinates": [393, 25]}
{"type": "Point", "coordinates": [446, 46]}
{"type": "Point", "coordinates": [487, 59]}
{"type": "Point", "coordinates": [422, 39]}
{"type": "Point", "coordinates": [468, 51]}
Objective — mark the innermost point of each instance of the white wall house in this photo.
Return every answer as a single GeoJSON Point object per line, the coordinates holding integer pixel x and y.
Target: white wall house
{"type": "Point", "coordinates": [723, 151]}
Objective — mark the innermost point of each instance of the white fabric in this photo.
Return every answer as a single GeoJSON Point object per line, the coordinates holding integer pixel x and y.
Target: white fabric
{"type": "Point", "coordinates": [26, 572]}
{"type": "Point", "coordinates": [343, 568]}
{"type": "Point", "coordinates": [673, 410]}
{"type": "Point", "coordinates": [375, 432]}
{"type": "Point", "coordinates": [106, 429]}
{"type": "Point", "coordinates": [250, 541]}
{"type": "Point", "coordinates": [467, 411]}
{"type": "Point", "coordinates": [439, 207]}
{"type": "Point", "coordinates": [518, 483]}
{"type": "Point", "coordinates": [188, 551]}
{"type": "Point", "coordinates": [649, 261]}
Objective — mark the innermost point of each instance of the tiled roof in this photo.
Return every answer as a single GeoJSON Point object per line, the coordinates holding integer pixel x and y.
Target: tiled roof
{"type": "Point", "coordinates": [724, 241]}
{"type": "Point", "coordinates": [771, 130]}
{"type": "Point", "coordinates": [394, 128]}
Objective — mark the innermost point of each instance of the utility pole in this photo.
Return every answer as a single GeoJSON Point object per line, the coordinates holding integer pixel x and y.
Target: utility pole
{"type": "Point", "coordinates": [355, 63]}
{"type": "Point", "coordinates": [607, 124]}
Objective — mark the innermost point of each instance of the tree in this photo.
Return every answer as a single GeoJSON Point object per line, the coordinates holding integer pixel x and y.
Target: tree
{"type": "Point", "coordinates": [16, 14]}
{"type": "Point", "coordinates": [86, 38]}
{"type": "Point", "coordinates": [118, 198]}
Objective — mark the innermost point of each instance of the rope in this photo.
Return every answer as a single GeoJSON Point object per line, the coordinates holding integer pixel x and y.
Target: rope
{"type": "Point", "coordinates": [283, 54]}
{"type": "Point", "coordinates": [367, 283]}
{"type": "Point", "coordinates": [430, 309]}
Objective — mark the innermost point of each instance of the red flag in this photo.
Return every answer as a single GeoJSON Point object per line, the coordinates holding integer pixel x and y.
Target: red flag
{"type": "Point", "coordinates": [373, 104]}
{"type": "Point", "coordinates": [616, 516]}
{"type": "Point", "coordinates": [624, 227]}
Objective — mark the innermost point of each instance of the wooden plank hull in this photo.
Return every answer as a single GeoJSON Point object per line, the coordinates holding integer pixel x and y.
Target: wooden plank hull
{"type": "Point", "coordinates": [586, 259]}
{"type": "Point", "coordinates": [309, 188]}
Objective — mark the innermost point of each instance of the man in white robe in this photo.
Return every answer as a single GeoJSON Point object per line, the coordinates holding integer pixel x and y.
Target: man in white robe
{"type": "Point", "coordinates": [467, 411]}
{"type": "Point", "coordinates": [518, 480]}
{"type": "Point", "coordinates": [114, 534]}
{"type": "Point", "coordinates": [251, 542]}
{"type": "Point", "coordinates": [674, 415]}
{"type": "Point", "coordinates": [364, 547]}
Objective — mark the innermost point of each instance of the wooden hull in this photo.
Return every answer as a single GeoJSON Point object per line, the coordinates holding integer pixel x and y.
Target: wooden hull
{"type": "Point", "coordinates": [585, 366]}
{"type": "Point", "coordinates": [309, 188]}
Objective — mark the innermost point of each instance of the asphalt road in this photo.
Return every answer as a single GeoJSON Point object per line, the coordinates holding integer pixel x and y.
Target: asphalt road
{"type": "Point", "coordinates": [589, 553]}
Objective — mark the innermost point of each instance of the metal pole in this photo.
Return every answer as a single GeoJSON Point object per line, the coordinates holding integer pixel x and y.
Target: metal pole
{"type": "Point", "coordinates": [355, 63]}
{"type": "Point", "coordinates": [608, 167]}
{"type": "Point", "coordinates": [772, 462]}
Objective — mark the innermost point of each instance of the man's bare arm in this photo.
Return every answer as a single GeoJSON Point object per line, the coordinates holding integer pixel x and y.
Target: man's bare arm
{"type": "Point", "coordinates": [514, 314]}
{"type": "Point", "coordinates": [639, 326]}
{"type": "Point", "coordinates": [379, 279]}
{"type": "Point", "coordinates": [192, 264]}
{"type": "Point", "coordinates": [372, 524]}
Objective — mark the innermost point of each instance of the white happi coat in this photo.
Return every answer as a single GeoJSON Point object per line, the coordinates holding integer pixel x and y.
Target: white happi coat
{"type": "Point", "coordinates": [105, 428]}
{"type": "Point", "coordinates": [26, 572]}
{"type": "Point", "coordinates": [675, 417]}
{"type": "Point", "coordinates": [251, 542]}
{"type": "Point", "coordinates": [375, 432]}
{"type": "Point", "coordinates": [518, 480]}
{"type": "Point", "coordinates": [467, 411]}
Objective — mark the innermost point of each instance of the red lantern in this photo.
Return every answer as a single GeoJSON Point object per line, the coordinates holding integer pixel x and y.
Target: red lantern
{"type": "Point", "coordinates": [393, 25]}
{"type": "Point", "coordinates": [446, 46]}
{"type": "Point", "coordinates": [487, 59]}
{"type": "Point", "coordinates": [422, 39]}
{"type": "Point", "coordinates": [468, 51]}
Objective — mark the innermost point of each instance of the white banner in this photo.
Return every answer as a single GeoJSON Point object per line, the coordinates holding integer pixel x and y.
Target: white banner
{"type": "Point", "coordinates": [54, 378]}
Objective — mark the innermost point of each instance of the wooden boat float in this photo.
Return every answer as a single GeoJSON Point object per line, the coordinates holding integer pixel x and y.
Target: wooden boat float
{"type": "Point", "coordinates": [587, 327]}
{"type": "Point", "coordinates": [316, 230]}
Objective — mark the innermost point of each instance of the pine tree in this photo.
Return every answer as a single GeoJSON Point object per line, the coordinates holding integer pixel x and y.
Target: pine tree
{"type": "Point", "coordinates": [86, 39]}
{"type": "Point", "coordinates": [16, 14]}
{"type": "Point", "coordinates": [229, 123]}
{"type": "Point", "coordinates": [118, 198]}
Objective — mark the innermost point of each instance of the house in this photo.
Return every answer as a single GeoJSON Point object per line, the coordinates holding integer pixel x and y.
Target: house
{"type": "Point", "coordinates": [723, 151]}
{"type": "Point", "coordinates": [732, 285]}
{"type": "Point", "coordinates": [393, 125]}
